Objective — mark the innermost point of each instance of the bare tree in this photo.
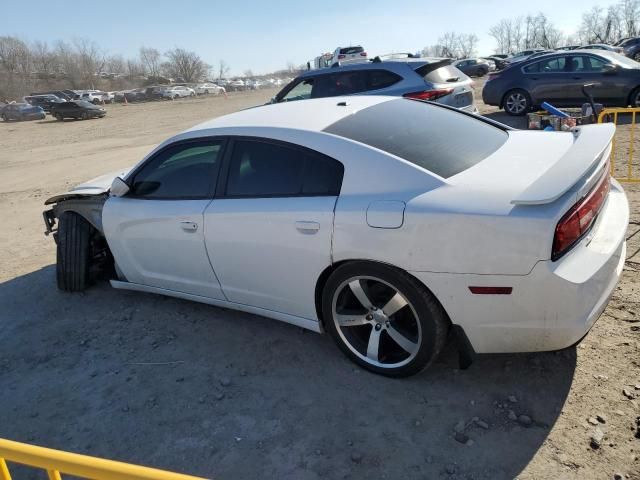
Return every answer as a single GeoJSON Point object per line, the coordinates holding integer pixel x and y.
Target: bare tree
{"type": "Point", "coordinates": [185, 65]}
{"type": "Point", "coordinates": [15, 61]}
{"type": "Point", "coordinates": [45, 61]}
{"type": "Point", "coordinates": [134, 69]}
{"type": "Point", "coordinates": [91, 59]}
{"type": "Point", "coordinates": [223, 69]}
{"type": "Point", "coordinates": [115, 64]}
{"type": "Point", "coordinates": [630, 17]}
{"type": "Point", "coordinates": [151, 60]}
{"type": "Point", "coordinates": [449, 45]}
{"type": "Point", "coordinates": [248, 73]}
{"type": "Point", "coordinates": [467, 44]}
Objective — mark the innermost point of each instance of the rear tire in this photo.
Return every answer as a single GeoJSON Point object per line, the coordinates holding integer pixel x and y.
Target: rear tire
{"type": "Point", "coordinates": [59, 117]}
{"type": "Point", "coordinates": [73, 252]}
{"type": "Point", "coordinates": [517, 103]}
{"type": "Point", "coordinates": [395, 339]}
{"type": "Point", "coordinates": [634, 98]}
{"type": "Point", "coordinates": [636, 56]}
{"type": "Point", "coordinates": [85, 116]}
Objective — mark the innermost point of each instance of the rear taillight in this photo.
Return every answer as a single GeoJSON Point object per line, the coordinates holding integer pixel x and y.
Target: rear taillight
{"type": "Point", "coordinates": [363, 54]}
{"type": "Point", "coordinates": [580, 218]}
{"type": "Point", "coordinates": [340, 57]}
{"type": "Point", "coordinates": [429, 94]}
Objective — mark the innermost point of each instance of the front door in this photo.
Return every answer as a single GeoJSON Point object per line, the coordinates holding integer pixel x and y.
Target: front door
{"type": "Point", "coordinates": [156, 232]}
{"type": "Point", "coordinates": [269, 235]}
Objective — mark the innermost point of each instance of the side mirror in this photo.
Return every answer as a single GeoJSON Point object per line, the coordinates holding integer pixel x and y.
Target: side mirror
{"type": "Point", "coordinates": [119, 187]}
{"type": "Point", "coordinates": [609, 68]}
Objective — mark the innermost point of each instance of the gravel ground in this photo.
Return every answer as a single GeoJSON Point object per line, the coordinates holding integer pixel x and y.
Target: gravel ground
{"type": "Point", "coordinates": [222, 394]}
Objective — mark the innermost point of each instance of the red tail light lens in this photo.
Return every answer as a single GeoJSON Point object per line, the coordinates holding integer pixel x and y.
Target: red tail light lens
{"type": "Point", "coordinates": [429, 94]}
{"type": "Point", "coordinates": [363, 54]}
{"type": "Point", "coordinates": [492, 76]}
{"type": "Point", "coordinates": [340, 57]}
{"type": "Point", "coordinates": [580, 218]}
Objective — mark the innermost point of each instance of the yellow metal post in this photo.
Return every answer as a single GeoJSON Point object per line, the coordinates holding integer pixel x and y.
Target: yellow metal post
{"type": "Point", "coordinates": [4, 470]}
{"type": "Point", "coordinates": [613, 112]}
{"type": "Point", "coordinates": [54, 475]}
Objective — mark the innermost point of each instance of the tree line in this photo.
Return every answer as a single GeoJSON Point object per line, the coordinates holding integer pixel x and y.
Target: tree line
{"type": "Point", "coordinates": [82, 64]}
{"type": "Point", "coordinates": [511, 35]}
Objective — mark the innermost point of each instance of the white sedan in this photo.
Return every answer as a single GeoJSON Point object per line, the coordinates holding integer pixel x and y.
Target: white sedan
{"type": "Point", "coordinates": [177, 92]}
{"type": "Point", "coordinates": [207, 88]}
{"type": "Point", "coordinates": [386, 222]}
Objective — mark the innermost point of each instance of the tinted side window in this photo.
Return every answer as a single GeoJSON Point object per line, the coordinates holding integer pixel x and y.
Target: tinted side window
{"type": "Point", "coordinates": [553, 65]}
{"type": "Point", "coordinates": [382, 79]}
{"type": "Point", "coordinates": [442, 74]}
{"type": "Point", "coordinates": [585, 63]}
{"type": "Point", "coordinates": [184, 171]}
{"type": "Point", "coordinates": [267, 169]}
{"type": "Point", "coordinates": [343, 83]}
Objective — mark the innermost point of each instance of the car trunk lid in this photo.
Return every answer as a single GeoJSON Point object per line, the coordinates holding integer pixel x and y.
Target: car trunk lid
{"type": "Point", "coordinates": [537, 168]}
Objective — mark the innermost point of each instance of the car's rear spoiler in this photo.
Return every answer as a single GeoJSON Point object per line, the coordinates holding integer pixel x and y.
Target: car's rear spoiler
{"type": "Point", "coordinates": [430, 67]}
{"type": "Point", "coordinates": [591, 145]}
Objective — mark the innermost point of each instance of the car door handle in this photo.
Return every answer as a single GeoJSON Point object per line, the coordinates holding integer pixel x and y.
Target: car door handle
{"type": "Point", "coordinates": [307, 227]}
{"type": "Point", "coordinates": [189, 226]}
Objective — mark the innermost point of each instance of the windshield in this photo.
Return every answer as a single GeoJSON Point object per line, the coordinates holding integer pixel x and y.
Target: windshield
{"type": "Point", "coordinates": [442, 141]}
{"type": "Point", "coordinates": [618, 59]}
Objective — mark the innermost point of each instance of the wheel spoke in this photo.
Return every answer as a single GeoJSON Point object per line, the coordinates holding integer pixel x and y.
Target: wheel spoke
{"type": "Point", "coordinates": [351, 320]}
{"type": "Point", "coordinates": [374, 344]}
{"type": "Point", "coordinates": [393, 305]}
{"type": "Point", "coordinates": [400, 339]}
{"type": "Point", "coordinates": [358, 291]}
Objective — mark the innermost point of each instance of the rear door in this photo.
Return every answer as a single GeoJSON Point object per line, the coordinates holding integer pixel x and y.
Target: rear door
{"type": "Point", "coordinates": [156, 231]}
{"type": "Point", "coordinates": [547, 79]}
{"type": "Point", "coordinates": [269, 233]}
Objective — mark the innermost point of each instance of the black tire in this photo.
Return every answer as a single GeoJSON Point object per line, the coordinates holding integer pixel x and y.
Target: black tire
{"type": "Point", "coordinates": [482, 72]}
{"type": "Point", "coordinates": [636, 56]}
{"type": "Point", "coordinates": [433, 320]}
{"type": "Point", "coordinates": [59, 117]}
{"type": "Point", "coordinates": [85, 116]}
{"type": "Point", "coordinates": [5, 118]}
{"type": "Point", "coordinates": [517, 102]}
{"type": "Point", "coordinates": [634, 98]}
{"type": "Point", "coordinates": [73, 252]}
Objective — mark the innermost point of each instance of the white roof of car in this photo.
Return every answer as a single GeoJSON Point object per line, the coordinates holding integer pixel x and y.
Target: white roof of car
{"type": "Point", "coordinates": [314, 114]}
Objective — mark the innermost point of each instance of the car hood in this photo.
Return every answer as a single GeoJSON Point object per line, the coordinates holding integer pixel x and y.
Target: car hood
{"type": "Point", "coordinates": [98, 186]}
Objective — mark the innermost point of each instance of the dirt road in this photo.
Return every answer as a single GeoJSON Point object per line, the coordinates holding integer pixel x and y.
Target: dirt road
{"type": "Point", "coordinates": [228, 395]}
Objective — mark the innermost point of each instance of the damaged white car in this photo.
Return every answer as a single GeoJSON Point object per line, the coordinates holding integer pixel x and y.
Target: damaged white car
{"type": "Point", "coordinates": [389, 223]}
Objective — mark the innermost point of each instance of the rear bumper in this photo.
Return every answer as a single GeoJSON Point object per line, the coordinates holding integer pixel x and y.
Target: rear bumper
{"type": "Point", "coordinates": [552, 307]}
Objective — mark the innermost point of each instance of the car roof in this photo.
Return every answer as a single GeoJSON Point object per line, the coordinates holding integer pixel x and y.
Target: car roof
{"type": "Point", "coordinates": [385, 64]}
{"type": "Point", "coordinates": [314, 114]}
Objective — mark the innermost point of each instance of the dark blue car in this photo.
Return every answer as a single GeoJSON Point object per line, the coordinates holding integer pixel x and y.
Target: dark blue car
{"type": "Point", "coordinates": [558, 78]}
{"type": "Point", "coordinates": [22, 111]}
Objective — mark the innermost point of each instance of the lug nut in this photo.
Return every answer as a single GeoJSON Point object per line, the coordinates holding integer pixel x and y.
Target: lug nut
{"type": "Point", "coordinates": [378, 326]}
{"type": "Point", "coordinates": [369, 317]}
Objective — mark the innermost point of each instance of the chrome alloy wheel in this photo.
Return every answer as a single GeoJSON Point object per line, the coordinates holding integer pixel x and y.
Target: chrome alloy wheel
{"type": "Point", "coordinates": [516, 103]}
{"type": "Point", "coordinates": [376, 322]}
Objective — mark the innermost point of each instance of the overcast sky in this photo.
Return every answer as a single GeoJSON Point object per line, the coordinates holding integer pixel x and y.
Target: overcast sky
{"type": "Point", "coordinates": [264, 35]}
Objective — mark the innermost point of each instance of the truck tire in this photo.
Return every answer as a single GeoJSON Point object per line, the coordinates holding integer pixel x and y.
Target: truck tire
{"type": "Point", "coordinates": [73, 252]}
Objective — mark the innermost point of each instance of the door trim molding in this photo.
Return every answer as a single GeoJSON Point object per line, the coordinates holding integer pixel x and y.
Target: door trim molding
{"type": "Point", "coordinates": [312, 325]}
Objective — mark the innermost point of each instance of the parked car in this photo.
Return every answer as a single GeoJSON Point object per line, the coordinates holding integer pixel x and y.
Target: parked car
{"type": "Point", "coordinates": [473, 67]}
{"type": "Point", "coordinates": [631, 48]}
{"type": "Point", "coordinates": [208, 88]}
{"type": "Point", "coordinates": [568, 47]}
{"type": "Point", "coordinates": [558, 79]}
{"type": "Point", "coordinates": [93, 96]}
{"type": "Point", "coordinates": [178, 92]}
{"type": "Point", "coordinates": [499, 62]}
{"type": "Point", "coordinates": [347, 55]}
{"type": "Point", "coordinates": [329, 185]}
{"type": "Point", "coordinates": [523, 55]}
{"type": "Point", "coordinates": [44, 101]}
{"type": "Point", "coordinates": [62, 94]}
{"type": "Point", "coordinates": [438, 81]}
{"type": "Point", "coordinates": [78, 109]}
{"type": "Point", "coordinates": [22, 111]}
{"type": "Point", "coordinates": [154, 92]}
{"type": "Point", "coordinates": [602, 46]}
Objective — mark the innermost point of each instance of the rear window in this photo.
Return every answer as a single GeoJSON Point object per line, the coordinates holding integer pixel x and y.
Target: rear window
{"type": "Point", "coordinates": [351, 50]}
{"type": "Point", "coordinates": [442, 141]}
{"type": "Point", "coordinates": [447, 73]}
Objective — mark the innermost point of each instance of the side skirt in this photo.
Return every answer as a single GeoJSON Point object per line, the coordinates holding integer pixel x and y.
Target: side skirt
{"type": "Point", "coordinates": [284, 317]}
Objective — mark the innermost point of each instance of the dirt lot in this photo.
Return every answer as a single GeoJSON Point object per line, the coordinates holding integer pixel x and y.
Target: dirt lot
{"type": "Point", "coordinates": [228, 395]}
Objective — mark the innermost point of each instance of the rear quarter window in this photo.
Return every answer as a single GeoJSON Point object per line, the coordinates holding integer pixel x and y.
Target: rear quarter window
{"type": "Point", "coordinates": [442, 141]}
{"type": "Point", "coordinates": [444, 74]}
{"type": "Point", "coordinates": [351, 50]}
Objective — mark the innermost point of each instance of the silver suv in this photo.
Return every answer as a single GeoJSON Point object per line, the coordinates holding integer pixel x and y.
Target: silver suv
{"type": "Point", "coordinates": [424, 79]}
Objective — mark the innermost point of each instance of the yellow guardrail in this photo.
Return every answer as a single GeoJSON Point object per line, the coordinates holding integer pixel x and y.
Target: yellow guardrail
{"type": "Point", "coordinates": [612, 114]}
{"type": "Point", "coordinates": [56, 463]}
